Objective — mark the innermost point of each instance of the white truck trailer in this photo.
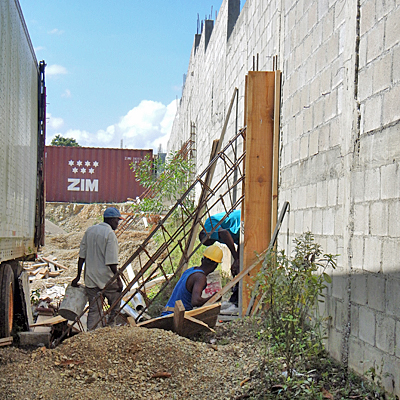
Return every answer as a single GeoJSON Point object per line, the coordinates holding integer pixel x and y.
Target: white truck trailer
{"type": "Point", "coordinates": [22, 139]}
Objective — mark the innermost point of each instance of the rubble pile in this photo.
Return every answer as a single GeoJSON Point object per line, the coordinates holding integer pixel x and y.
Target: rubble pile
{"type": "Point", "coordinates": [129, 363]}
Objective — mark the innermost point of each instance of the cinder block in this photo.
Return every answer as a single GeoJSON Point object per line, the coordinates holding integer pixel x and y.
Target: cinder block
{"type": "Point", "coordinates": [328, 221]}
{"type": "Point", "coordinates": [372, 113]}
{"type": "Point", "coordinates": [390, 256]}
{"type": "Point", "coordinates": [367, 325]}
{"type": "Point", "coordinates": [361, 219]}
{"type": "Point", "coordinates": [367, 16]}
{"type": "Point", "coordinates": [396, 61]}
{"type": "Point", "coordinates": [391, 112]}
{"type": "Point", "coordinates": [390, 180]}
{"type": "Point", "coordinates": [311, 191]}
{"type": "Point", "coordinates": [359, 289]}
{"type": "Point", "coordinates": [339, 227]}
{"type": "Point", "coordinates": [332, 192]}
{"type": "Point", "coordinates": [390, 376]}
{"type": "Point", "coordinates": [379, 218]}
{"type": "Point", "coordinates": [375, 41]}
{"type": "Point", "coordinates": [354, 321]}
{"type": "Point", "coordinates": [358, 186]}
{"type": "Point", "coordinates": [372, 184]}
{"type": "Point", "coordinates": [322, 194]}
{"type": "Point", "coordinates": [385, 329]}
{"type": "Point", "coordinates": [392, 33]}
{"type": "Point", "coordinates": [376, 292]}
{"type": "Point", "coordinates": [394, 220]}
{"type": "Point", "coordinates": [356, 355]}
{"type": "Point", "coordinates": [397, 343]}
{"type": "Point", "coordinates": [334, 343]}
{"type": "Point", "coordinates": [372, 254]}
{"type": "Point", "coordinates": [339, 285]}
{"type": "Point", "coordinates": [34, 339]}
{"type": "Point", "coordinates": [357, 247]}
{"type": "Point", "coordinates": [365, 83]}
{"type": "Point", "coordinates": [317, 222]}
{"type": "Point", "coordinates": [393, 297]}
{"type": "Point", "coordinates": [373, 358]}
{"type": "Point", "coordinates": [381, 76]}
{"type": "Point", "coordinates": [341, 316]}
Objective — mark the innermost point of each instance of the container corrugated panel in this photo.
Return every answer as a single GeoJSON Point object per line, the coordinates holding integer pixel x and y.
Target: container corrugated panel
{"type": "Point", "coordinates": [92, 175]}
{"type": "Point", "coordinates": [18, 134]}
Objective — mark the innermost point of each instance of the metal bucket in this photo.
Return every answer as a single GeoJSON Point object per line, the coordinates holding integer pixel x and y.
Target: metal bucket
{"type": "Point", "coordinates": [74, 302]}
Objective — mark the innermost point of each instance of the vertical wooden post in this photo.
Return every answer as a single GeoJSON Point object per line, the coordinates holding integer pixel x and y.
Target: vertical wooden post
{"type": "Point", "coordinates": [179, 317]}
{"type": "Point", "coordinates": [259, 116]}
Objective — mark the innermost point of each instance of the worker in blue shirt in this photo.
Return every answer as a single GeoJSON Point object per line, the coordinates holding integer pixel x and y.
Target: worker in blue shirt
{"type": "Point", "coordinates": [193, 281]}
{"type": "Point", "coordinates": [228, 234]}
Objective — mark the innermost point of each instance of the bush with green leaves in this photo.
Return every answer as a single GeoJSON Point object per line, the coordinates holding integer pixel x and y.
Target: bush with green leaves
{"type": "Point", "coordinates": [291, 288]}
{"type": "Point", "coordinates": [166, 181]}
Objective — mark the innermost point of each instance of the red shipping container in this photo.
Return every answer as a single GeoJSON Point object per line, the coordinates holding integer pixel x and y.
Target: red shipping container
{"type": "Point", "coordinates": [91, 175]}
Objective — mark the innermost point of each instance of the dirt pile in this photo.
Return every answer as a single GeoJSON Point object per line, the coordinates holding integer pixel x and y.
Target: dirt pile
{"type": "Point", "coordinates": [128, 363]}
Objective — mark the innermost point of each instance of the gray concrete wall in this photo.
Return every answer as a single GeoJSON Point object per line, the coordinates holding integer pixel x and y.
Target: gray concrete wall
{"type": "Point", "coordinates": [340, 147]}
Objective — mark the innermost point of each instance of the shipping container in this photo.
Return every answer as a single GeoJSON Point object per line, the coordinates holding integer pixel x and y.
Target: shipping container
{"type": "Point", "coordinates": [92, 175]}
{"type": "Point", "coordinates": [22, 137]}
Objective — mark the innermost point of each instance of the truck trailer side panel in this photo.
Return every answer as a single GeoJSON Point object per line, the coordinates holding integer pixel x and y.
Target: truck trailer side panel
{"type": "Point", "coordinates": [19, 126]}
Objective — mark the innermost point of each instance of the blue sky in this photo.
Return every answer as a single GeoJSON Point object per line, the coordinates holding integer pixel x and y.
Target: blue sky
{"type": "Point", "coordinates": [114, 68]}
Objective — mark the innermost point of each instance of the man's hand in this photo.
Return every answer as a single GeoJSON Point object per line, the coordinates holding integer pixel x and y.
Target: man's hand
{"type": "Point", "coordinates": [74, 283]}
{"type": "Point", "coordinates": [235, 268]}
{"type": "Point", "coordinates": [119, 283]}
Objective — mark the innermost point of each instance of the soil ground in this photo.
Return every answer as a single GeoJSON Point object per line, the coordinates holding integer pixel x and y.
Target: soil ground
{"type": "Point", "coordinates": [138, 363]}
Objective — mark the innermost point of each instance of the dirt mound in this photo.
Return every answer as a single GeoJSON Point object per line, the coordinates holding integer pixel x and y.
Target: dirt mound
{"type": "Point", "coordinates": [126, 363]}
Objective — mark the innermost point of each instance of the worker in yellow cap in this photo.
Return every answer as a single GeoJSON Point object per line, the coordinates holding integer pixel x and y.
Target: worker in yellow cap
{"type": "Point", "coordinates": [193, 281]}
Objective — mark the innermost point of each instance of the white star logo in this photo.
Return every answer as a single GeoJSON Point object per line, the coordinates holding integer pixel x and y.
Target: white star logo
{"type": "Point", "coordinates": [83, 170]}
{"type": "Point", "coordinates": [70, 163]}
{"type": "Point", "coordinates": [91, 171]}
{"type": "Point", "coordinates": [79, 163]}
{"type": "Point", "coordinates": [74, 170]}
{"type": "Point", "coordinates": [87, 163]}
{"type": "Point", "coordinates": [95, 164]}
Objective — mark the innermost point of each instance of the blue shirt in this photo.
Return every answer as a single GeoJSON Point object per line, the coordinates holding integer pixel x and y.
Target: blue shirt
{"type": "Point", "coordinates": [231, 223]}
{"type": "Point", "coordinates": [181, 293]}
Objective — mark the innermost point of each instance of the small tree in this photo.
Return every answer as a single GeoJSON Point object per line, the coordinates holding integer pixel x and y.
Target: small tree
{"type": "Point", "coordinates": [163, 187]}
{"type": "Point", "coordinates": [61, 141]}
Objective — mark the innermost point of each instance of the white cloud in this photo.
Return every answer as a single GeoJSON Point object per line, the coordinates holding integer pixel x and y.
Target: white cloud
{"type": "Point", "coordinates": [66, 94]}
{"type": "Point", "coordinates": [54, 122]}
{"type": "Point", "coordinates": [56, 32]}
{"type": "Point", "coordinates": [146, 126]}
{"type": "Point", "coordinates": [39, 48]}
{"type": "Point", "coordinates": [54, 69]}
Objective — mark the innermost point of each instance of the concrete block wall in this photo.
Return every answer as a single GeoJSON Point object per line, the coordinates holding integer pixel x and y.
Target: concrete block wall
{"type": "Point", "coordinates": [339, 147]}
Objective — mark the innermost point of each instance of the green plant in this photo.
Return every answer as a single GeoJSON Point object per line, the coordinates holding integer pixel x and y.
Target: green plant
{"type": "Point", "coordinates": [35, 296]}
{"type": "Point", "coordinates": [291, 288]}
{"type": "Point", "coordinates": [61, 141]}
{"type": "Point", "coordinates": [166, 183]}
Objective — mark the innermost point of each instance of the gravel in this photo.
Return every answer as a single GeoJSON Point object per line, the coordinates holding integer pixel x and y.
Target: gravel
{"type": "Point", "coordinates": [130, 363]}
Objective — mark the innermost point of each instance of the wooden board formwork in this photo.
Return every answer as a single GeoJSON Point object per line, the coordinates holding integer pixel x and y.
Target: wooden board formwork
{"type": "Point", "coordinates": [259, 116]}
{"type": "Point", "coordinates": [199, 320]}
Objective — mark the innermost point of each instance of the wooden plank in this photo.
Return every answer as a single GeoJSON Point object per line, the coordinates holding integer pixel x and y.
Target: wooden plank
{"type": "Point", "coordinates": [52, 262]}
{"type": "Point", "coordinates": [50, 321]}
{"type": "Point", "coordinates": [178, 317]}
{"type": "Point", "coordinates": [258, 183]}
{"type": "Point", "coordinates": [194, 325]}
{"type": "Point", "coordinates": [6, 341]}
{"type": "Point", "coordinates": [132, 322]}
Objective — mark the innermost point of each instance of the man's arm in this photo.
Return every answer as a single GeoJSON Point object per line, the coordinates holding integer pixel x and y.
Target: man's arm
{"type": "Point", "coordinates": [199, 283]}
{"type": "Point", "coordinates": [78, 275]}
{"type": "Point", "coordinates": [114, 269]}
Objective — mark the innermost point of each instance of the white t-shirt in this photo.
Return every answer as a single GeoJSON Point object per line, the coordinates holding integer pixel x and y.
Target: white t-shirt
{"type": "Point", "coordinates": [99, 248]}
